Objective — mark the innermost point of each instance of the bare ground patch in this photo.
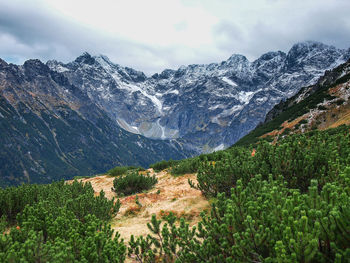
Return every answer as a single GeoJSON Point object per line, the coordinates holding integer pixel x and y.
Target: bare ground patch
{"type": "Point", "coordinates": [170, 194]}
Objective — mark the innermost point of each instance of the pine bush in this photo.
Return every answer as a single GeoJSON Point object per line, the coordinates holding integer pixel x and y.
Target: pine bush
{"type": "Point", "coordinates": [262, 221]}
{"type": "Point", "coordinates": [159, 166]}
{"type": "Point", "coordinates": [320, 155]}
{"type": "Point", "coordinates": [58, 223]}
{"type": "Point", "coordinates": [133, 183]}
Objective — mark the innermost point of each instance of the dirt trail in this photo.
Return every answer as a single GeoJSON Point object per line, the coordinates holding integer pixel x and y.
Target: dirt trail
{"type": "Point", "coordinates": [170, 194]}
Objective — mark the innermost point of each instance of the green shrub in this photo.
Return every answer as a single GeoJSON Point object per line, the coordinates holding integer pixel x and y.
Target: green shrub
{"type": "Point", "coordinates": [321, 107]}
{"type": "Point", "coordinates": [303, 121]}
{"type": "Point", "coordinates": [159, 166]}
{"type": "Point", "coordinates": [269, 138]}
{"type": "Point", "coordinates": [299, 158]}
{"type": "Point", "coordinates": [262, 221]}
{"type": "Point", "coordinates": [185, 166]}
{"type": "Point", "coordinates": [58, 223]}
{"type": "Point", "coordinates": [133, 183]}
{"type": "Point", "coordinates": [286, 131]}
{"type": "Point", "coordinates": [118, 170]}
{"type": "Point", "coordinates": [340, 102]}
{"type": "Point", "coordinates": [46, 233]}
{"type": "Point", "coordinates": [79, 198]}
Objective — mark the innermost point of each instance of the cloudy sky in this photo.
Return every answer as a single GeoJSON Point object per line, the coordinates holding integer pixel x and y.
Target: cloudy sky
{"type": "Point", "coordinates": [151, 35]}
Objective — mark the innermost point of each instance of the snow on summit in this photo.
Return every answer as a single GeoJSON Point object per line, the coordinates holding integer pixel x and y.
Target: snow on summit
{"type": "Point", "coordinates": [218, 103]}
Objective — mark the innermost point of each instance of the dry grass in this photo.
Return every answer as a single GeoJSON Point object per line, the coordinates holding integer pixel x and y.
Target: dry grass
{"type": "Point", "coordinates": [99, 183]}
{"type": "Point", "coordinates": [334, 116]}
{"type": "Point", "coordinates": [175, 195]}
{"type": "Point", "coordinates": [170, 194]}
{"type": "Point", "coordinates": [344, 119]}
{"type": "Point", "coordinates": [285, 125]}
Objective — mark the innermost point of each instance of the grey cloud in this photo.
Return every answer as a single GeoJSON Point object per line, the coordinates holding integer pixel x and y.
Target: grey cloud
{"type": "Point", "coordinates": [330, 26]}
{"type": "Point", "coordinates": [228, 34]}
{"type": "Point", "coordinates": [35, 31]}
{"type": "Point", "coordinates": [260, 39]}
{"type": "Point", "coordinates": [40, 31]}
{"type": "Point", "coordinates": [327, 24]}
{"type": "Point", "coordinates": [28, 32]}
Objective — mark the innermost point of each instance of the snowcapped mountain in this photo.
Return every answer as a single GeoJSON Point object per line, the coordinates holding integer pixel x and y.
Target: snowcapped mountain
{"type": "Point", "coordinates": [208, 106]}
{"type": "Point", "coordinates": [52, 130]}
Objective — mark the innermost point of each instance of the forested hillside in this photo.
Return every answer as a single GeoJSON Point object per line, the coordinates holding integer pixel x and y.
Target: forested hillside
{"type": "Point", "coordinates": [282, 202]}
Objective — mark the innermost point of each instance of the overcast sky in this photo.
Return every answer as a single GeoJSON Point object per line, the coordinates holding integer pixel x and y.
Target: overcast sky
{"type": "Point", "coordinates": [151, 35]}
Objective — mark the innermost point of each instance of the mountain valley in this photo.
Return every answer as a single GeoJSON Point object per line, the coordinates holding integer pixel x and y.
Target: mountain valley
{"type": "Point", "coordinates": [287, 180]}
{"type": "Point", "coordinates": [51, 130]}
{"type": "Point", "coordinates": [84, 117]}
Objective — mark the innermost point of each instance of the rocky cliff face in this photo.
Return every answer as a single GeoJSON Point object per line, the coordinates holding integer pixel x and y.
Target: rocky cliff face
{"type": "Point", "coordinates": [322, 105]}
{"type": "Point", "coordinates": [50, 129]}
{"type": "Point", "coordinates": [208, 106]}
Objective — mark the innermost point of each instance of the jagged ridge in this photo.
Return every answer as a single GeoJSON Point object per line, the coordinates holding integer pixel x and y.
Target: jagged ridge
{"type": "Point", "coordinates": [51, 130]}
{"type": "Point", "coordinates": [320, 106]}
{"type": "Point", "coordinates": [208, 106]}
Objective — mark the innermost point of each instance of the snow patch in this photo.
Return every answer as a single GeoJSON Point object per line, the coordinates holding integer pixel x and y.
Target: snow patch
{"type": "Point", "coordinates": [225, 113]}
{"type": "Point", "coordinates": [105, 92]}
{"type": "Point", "coordinates": [261, 99]}
{"type": "Point", "coordinates": [106, 64]}
{"type": "Point", "coordinates": [340, 60]}
{"type": "Point", "coordinates": [134, 88]}
{"type": "Point", "coordinates": [60, 69]}
{"type": "Point", "coordinates": [216, 120]}
{"type": "Point", "coordinates": [245, 96]}
{"type": "Point", "coordinates": [126, 126]}
{"type": "Point", "coordinates": [229, 112]}
{"type": "Point", "coordinates": [216, 106]}
{"type": "Point", "coordinates": [219, 147]}
{"type": "Point", "coordinates": [230, 82]}
{"type": "Point", "coordinates": [162, 136]}
{"type": "Point", "coordinates": [135, 128]}
{"type": "Point", "coordinates": [175, 91]}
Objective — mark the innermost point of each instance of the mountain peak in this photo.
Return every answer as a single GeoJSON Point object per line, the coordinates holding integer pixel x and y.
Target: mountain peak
{"type": "Point", "coordinates": [105, 62]}
{"type": "Point", "coordinates": [310, 45]}
{"type": "Point", "coordinates": [313, 53]}
{"type": "Point", "coordinates": [85, 58]}
{"type": "Point", "coordinates": [103, 58]}
{"type": "Point", "coordinates": [237, 58]}
{"type": "Point", "coordinates": [3, 63]}
{"type": "Point", "coordinates": [35, 66]}
{"type": "Point", "coordinates": [271, 54]}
